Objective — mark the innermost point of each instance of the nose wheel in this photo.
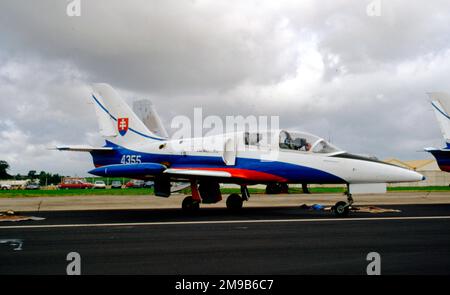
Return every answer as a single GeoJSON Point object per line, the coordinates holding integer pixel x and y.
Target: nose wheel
{"type": "Point", "coordinates": [341, 208]}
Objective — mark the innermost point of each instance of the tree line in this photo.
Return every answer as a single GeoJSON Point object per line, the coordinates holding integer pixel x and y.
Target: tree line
{"type": "Point", "coordinates": [45, 178]}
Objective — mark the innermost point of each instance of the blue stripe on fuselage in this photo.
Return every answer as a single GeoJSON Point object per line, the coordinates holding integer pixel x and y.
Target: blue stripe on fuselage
{"type": "Point", "coordinates": [291, 172]}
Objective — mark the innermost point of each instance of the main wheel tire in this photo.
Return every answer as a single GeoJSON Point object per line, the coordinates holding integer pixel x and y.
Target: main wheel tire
{"type": "Point", "coordinates": [277, 188]}
{"type": "Point", "coordinates": [234, 202]}
{"type": "Point", "coordinates": [273, 189]}
{"type": "Point", "coordinates": [341, 209]}
{"type": "Point", "coordinates": [189, 205]}
{"type": "Point", "coordinates": [284, 188]}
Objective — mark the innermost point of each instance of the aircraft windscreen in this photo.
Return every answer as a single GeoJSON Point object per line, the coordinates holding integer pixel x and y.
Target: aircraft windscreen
{"type": "Point", "coordinates": [324, 147]}
{"type": "Point", "coordinates": [301, 141]}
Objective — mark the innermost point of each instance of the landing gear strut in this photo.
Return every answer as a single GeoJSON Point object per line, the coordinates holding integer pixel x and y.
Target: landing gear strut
{"type": "Point", "coordinates": [341, 209]}
{"type": "Point", "coordinates": [192, 203]}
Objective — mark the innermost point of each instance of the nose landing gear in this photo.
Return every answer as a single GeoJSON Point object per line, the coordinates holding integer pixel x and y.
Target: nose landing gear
{"type": "Point", "coordinates": [341, 208]}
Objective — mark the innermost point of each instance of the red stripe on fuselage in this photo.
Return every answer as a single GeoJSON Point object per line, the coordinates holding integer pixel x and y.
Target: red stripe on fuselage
{"type": "Point", "coordinates": [246, 174]}
{"type": "Point", "coordinates": [445, 168]}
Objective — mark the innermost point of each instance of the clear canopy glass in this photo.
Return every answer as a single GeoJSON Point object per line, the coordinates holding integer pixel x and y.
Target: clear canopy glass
{"type": "Point", "coordinates": [306, 142]}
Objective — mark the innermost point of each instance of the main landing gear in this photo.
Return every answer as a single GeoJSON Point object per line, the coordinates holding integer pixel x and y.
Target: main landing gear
{"type": "Point", "coordinates": [190, 205]}
{"type": "Point", "coordinates": [234, 201]}
{"type": "Point", "coordinates": [341, 208]}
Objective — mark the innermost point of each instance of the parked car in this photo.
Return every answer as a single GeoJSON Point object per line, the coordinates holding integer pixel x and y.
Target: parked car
{"type": "Point", "coordinates": [75, 184]}
{"type": "Point", "coordinates": [116, 184]}
{"type": "Point", "coordinates": [32, 186]}
{"type": "Point", "coordinates": [149, 184]}
{"type": "Point", "coordinates": [6, 187]}
{"type": "Point", "coordinates": [99, 184]}
{"type": "Point", "coordinates": [135, 183]}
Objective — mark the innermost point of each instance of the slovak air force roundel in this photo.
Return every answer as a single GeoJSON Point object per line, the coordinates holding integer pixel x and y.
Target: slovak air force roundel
{"type": "Point", "coordinates": [122, 125]}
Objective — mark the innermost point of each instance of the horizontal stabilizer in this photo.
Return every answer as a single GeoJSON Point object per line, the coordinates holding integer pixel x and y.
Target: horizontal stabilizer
{"type": "Point", "coordinates": [81, 148]}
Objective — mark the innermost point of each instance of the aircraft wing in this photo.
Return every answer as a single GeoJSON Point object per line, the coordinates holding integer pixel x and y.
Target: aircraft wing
{"type": "Point", "coordinates": [154, 169]}
{"type": "Point", "coordinates": [194, 172]}
{"type": "Point", "coordinates": [150, 170]}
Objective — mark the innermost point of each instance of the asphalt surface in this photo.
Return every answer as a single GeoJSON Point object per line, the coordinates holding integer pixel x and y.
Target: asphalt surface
{"type": "Point", "coordinates": [286, 240]}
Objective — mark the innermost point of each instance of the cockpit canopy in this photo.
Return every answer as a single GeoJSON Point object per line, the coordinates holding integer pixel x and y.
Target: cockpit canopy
{"type": "Point", "coordinates": [290, 140]}
{"type": "Point", "coordinates": [302, 141]}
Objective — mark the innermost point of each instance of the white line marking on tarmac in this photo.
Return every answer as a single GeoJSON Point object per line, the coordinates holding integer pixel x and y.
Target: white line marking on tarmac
{"type": "Point", "coordinates": [223, 222]}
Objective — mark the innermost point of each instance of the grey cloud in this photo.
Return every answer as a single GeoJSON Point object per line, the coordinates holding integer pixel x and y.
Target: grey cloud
{"type": "Point", "coordinates": [327, 68]}
{"type": "Point", "coordinates": [155, 46]}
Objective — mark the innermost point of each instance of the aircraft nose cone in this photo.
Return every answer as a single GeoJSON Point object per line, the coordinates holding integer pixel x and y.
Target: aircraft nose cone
{"type": "Point", "coordinates": [400, 174]}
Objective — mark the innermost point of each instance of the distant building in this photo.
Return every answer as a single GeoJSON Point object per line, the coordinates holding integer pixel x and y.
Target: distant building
{"type": "Point", "coordinates": [416, 165]}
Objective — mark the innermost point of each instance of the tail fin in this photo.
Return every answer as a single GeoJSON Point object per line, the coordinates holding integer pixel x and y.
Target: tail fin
{"type": "Point", "coordinates": [147, 112]}
{"type": "Point", "coordinates": [441, 106]}
{"type": "Point", "coordinates": [118, 123]}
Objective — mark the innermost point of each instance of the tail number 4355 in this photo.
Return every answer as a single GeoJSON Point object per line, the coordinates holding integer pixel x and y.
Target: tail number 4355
{"type": "Point", "coordinates": [131, 159]}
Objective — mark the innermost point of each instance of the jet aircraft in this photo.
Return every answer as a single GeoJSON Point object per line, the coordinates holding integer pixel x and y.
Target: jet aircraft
{"type": "Point", "coordinates": [441, 105]}
{"type": "Point", "coordinates": [242, 157]}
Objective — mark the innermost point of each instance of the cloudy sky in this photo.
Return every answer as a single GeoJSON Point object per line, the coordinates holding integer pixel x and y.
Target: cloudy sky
{"type": "Point", "coordinates": [327, 67]}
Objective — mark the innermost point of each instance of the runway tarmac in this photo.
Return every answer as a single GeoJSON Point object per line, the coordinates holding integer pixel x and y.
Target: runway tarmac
{"type": "Point", "coordinates": [266, 240]}
{"type": "Point", "coordinates": [115, 202]}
